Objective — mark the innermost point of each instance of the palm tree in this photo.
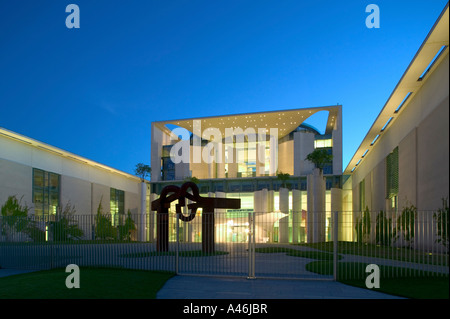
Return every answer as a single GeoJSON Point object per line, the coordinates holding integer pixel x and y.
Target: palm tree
{"type": "Point", "coordinates": [142, 170]}
{"type": "Point", "coordinates": [319, 157]}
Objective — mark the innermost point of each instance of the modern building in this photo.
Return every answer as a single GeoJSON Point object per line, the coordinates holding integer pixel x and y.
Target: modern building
{"type": "Point", "coordinates": [241, 155]}
{"type": "Point", "coordinates": [402, 161]}
{"type": "Point", "coordinates": [46, 178]}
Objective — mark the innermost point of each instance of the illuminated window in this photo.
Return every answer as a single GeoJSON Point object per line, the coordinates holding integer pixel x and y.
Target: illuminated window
{"type": "Point", "coordinates": [46, 186]}
{"type": "Point", "coordinates": [362, 195]}
{"type": "Point", "coordinates": [392, 174]}
{"type": "Point", "coordinates": [323, 143]}
{"type": "Point", "coordinates": [117, 205]}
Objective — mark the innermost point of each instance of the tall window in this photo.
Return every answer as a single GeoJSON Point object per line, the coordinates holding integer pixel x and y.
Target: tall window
{"type": "Point", "coordinates": [362, 195]}
{"type": "Point", "coordinates": [167, 166]}
{"type": "Point", "coordinates": [327, 144]}
{"type": "Point", "coordinates": [392, 178]}
{"type": "Point", "coordinates": [46, 192]}
{"type": "Point", "coordinates": [117, 205]}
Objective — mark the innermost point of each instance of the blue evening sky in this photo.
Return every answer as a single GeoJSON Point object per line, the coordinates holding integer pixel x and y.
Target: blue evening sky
{"type": "Point", "coordinates": [95, 90]}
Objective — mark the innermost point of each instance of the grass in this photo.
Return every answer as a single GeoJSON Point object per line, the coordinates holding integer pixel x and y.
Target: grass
{"type": "Point", "coordinates": [396, 281]}
{"type": "Point", "coordinates": [95, 283]}
{"type": "Point", "coordinates": [380, 251]}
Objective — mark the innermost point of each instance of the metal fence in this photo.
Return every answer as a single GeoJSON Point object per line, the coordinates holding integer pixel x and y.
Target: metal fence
{"type": "Point", "coordinates": [319, 246]}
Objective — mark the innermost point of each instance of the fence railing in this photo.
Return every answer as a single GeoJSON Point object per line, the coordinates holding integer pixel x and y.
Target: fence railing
{"type": "Point", "coordinates": [293, 245]}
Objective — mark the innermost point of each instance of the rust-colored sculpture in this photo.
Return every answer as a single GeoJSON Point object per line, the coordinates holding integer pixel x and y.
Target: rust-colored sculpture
{"type": "Point", "coordinates": [208, 204]}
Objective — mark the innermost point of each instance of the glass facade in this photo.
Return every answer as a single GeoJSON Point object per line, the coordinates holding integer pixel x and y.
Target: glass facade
{"type": "Point", "coordinates": [167, 166]}
{"type": "Point", "coordinates": [239, 185]}
{"type": "Point", "coordinates": [46, 192]}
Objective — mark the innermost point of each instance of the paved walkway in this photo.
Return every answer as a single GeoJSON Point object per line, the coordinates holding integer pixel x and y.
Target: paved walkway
{"type": "Point", "coordinates": [196, 287]}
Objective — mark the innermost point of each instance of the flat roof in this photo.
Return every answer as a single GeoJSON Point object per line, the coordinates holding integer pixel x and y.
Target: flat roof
{"type": "Point", "coordinates": [60, 152]}
{"type": "Point", "coordinates": [430, 54]}
{"type": "Point", "coordinates": [284, 120]}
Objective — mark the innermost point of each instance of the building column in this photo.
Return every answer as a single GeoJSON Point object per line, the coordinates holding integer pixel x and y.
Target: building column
{"type": "Point", "coordinates": [221, 222]}
{"type": "Point", "coordinates": [221, 161]}
{"type": "Point", "coordinates": [262, 202]}
{"type": "Point", "coordinates": [316, 207]}
{"type": "Point", "coordinates": [336, 206]}
{"type": "Point", "coordinates": [156, 151]}
{"type": "Point", "coordinates": [151, 220]}
{"type": "Point", "coordinates": [188, 226]}
{"type": "Point", "coordinates": [296, 214]}
{"type": "Point", "coordinates": [143, 213]}
{"type": "Point", "coordinates": [283, 230]}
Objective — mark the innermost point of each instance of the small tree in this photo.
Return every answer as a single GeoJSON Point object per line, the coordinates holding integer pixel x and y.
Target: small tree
{"type": "Point", "coordinates": [142, 171]}
{"type": "Point", "coordinates": [405, 224]}
{"type": "Point", "coordinates": [319, 157]}
{"type": "Point", "coordinates": [64, 227]}
{"type": "Point", "coordinates": [383, 229]}
{"type": "Point", "coordinates": [14, 216]}
{"type": "Point", "coordinates": [363, 226]}
{"type": "Point", "coordinates": [103, 227]}
{"type": "Point", "coordinates": [16, 220]}
{"type": "Point", "coordinates": [127, 227]}
{"type": "Point", "coordinates": [442, 222]}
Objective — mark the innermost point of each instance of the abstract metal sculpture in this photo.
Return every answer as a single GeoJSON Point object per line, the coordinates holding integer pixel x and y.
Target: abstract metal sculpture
{"type": "Point", "coordinates": [208, 204]}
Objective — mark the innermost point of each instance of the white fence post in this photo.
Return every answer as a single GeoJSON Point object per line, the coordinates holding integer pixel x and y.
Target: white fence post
{"type": "Point", "coordinates": [177, 244]}
{"type": "Point", "coordinates": [251, 246]}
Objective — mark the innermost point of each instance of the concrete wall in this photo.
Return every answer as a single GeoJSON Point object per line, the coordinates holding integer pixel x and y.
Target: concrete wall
{"type": "Point", "coordinates": [337, 144]}
{"type": "Point", "coordinates": [303, 145]}
{"type": "Point", "coordinates": [286, 157]}
{"type": "Point", "coordinates": [15, 179]}
{"type": "Point", "coordinates": [81, 183]}
{"type": "Point", "coordinates": [433, 157]}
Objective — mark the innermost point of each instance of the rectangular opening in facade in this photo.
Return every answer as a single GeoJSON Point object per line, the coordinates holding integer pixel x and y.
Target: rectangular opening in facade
{"type": "Point", "coordinates": [386, 125]}
{"type": "Point", "coordinates": [438, 54]}
{"type": "Point", "coordinates": [375, 139]}
{"type": "Point", "coordinates": [403, 102]}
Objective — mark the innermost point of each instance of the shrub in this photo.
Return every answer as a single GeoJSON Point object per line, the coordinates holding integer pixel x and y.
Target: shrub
{"type": "Point", "coordinates": [363, 226]}
{"type": "Point", "coordinates": [442, 224]}
{"type": "Point", "coordinates": [64, 227]}
{"type": "Point", "coordinates": [103, 227]}
{"type": "Point", "coordinates": [383, 229]}
{"type": "Point", "coordinates": [14, 216]}
{"type": "Point", "coordinates": [126, 228]}
{"type": "Point", "coordinates": [405, 225]}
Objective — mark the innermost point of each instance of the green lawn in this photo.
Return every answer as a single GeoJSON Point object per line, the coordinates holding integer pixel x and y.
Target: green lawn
{"type": "Point", "coordinates": [95, 283]}
{"type": "Point", "coordinates": [380, 251]}
{"type": "Point", "coordinates": [393, 280]}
